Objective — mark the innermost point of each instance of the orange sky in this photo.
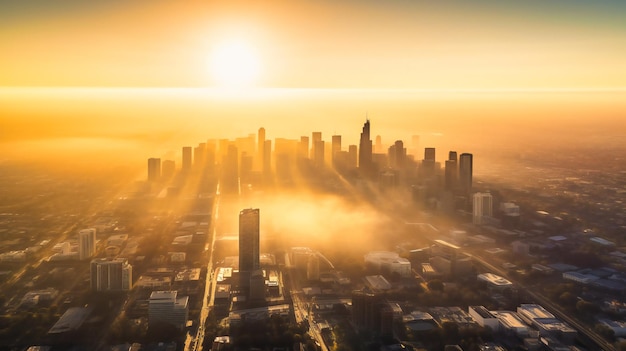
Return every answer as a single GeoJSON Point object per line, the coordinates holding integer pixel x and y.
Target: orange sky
{"type": "Point", "coordinates": [458, 73]}
{"type": "Point", "coordinates": [317, 44]}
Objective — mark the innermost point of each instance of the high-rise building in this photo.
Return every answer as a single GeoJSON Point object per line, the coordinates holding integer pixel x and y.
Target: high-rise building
{"type": "Point", "coordinates": [365, 149]}
{"type": "Point", "coordinates": [111, 274]}
{"type": "Point", "coordinates": [249, 254]}
{"type": "Point", "coordinates": [465, 173]}
{"type": "Point", "coordinates": [303, 148]}
{"type": "Point", "coordinates": [318, 153]}
{"type": "Point", "coordinates": [154, 169]}
{"type": "Point", "coordinates": [168, 169]}
{"type": "Point", "coordinates": [198, 156]}
{"type": "Point", "coordinates": [316, 137]}
{"type": "Point", "coordinates": [260, 148]}
{"type": "Point", "coordinates": [429, 154]}
{"type": "Point", "coordinates": [165, 307]}
{"type": "Point", "coordinates": [267, 159]}
{"type": "Point", "coordinates": [397, 155]}
{"type": "Point", "coordinates": [86, 243]}
{"type": "Point", "coordinates": [352, 156]}
{"type": "Point", "coordinates": [483, 207]}
{"type": "Point", "coordinates": [230, 170]}
{"type": "Point", "coordinates": [186, 166]}
{"type": "Point", "coordinates": [452, 156]}
{"type": "Point", "coordinates": [378, 147]}
{"type": "Point", "coordinates": [451, 175]}
{"type": "Point", "coordinates": [335, 147]}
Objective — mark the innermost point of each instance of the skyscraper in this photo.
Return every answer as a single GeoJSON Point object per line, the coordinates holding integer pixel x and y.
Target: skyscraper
{"type": "Point", "coordinates": [168, 169]}
{"type": "Point", "coordinates": [465, 173]}
{"type": "Point", "coordinates": [365, 149]}
{"type": "Point", "coordinates": [316, 137]}
{"type": "Point", "coordinates": [483, 207]}
{"type": "Point", "coordinates": [198, 156]}
{"type": "Point", "coordinates": [86, 243]}
{"type": "Point", "coordinates": [451, 174]}
{"type": "Point", "coordinates": [452, 156]}
{"type": "Point", "coordinates": [230, 170]}
{"type": "Point", "coordinates": [111, 274]}
{"type": "Point", "coordinates": [303, 147]}
{"type": "Point", "coordinates": [260, 149]}
{"type": "Point", "coordinates": [249, 254]}
{"type": "Point", "coordinates": [429, 154]}
{"type": "Point", "coordinates": [186, 158]}
{"type": "Point", "coordinates": [154, 169]}
{"type": "Point", "coordinates": [335, 147]}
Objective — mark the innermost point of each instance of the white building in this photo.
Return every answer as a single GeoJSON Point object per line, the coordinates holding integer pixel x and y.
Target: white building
{"type": "Point", "coordinates": [86, 243]}
{"type": "Point", "coordinates": [494, 280]}
{"type": "Point", "coordinates": [388, 262]}
{"type": "Point", "coordinates": [166, 307]}
{"type": "Point", "coordinates": [511, 323]}
{"type": "Point", "coordinates": [483, 207]}
{"type": "Point", "coordinates": [483, 317]}
{"type": "Point", "coordinates": [111, 274]}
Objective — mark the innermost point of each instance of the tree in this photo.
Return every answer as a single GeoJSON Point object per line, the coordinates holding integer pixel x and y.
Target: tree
{"type": "Point", "coordinates": [604, 331]}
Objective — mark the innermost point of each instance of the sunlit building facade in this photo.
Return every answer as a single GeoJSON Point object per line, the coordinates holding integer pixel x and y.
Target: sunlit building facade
{"type": "Point", "coordinates": [483, 207]}
{"type": "Point", "coordinates": [111, 274]}
{"type": "Point", "coordinates": [86, 243]}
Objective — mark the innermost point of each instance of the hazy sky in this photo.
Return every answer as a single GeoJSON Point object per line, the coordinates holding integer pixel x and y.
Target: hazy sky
{"type": "Point", "coordinates": [477, 44]}
{"type": "Point", "coordinates": [465, 74]}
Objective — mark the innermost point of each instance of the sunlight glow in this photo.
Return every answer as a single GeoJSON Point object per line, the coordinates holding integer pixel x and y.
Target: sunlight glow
{"type": "Point", "coordinates": [235, 64]}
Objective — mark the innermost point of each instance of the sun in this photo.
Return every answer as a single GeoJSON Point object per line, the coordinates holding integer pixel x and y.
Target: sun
{"type": "Point", "coordinates": [235, 64]}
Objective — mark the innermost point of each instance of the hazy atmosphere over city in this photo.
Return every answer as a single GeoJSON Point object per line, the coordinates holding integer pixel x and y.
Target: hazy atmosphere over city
{"type": "Point", "coordinates": [312, 175]}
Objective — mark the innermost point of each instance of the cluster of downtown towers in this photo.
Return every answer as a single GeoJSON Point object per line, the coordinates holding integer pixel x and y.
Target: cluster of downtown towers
{"type": "Point", "coordinates": [249, 160]}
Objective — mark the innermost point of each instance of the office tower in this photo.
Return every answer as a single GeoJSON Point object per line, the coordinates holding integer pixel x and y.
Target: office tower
{"type": "Point", "coordinates": [211, 148]}
{"type": "Point", "coordinates": [249, 254]}
{"type": "Point", "coordinates": [452, 156]}
{"type": "Point", "coordinates": [154, 169]}
{"type": "Point", "coordinates": [168, 169]}
{"type": "Point", "coordinates": [260, 150]}
{"type": "Point", "coordinates": [318, 153]}
{"type": "Point", "coordinates": [352, 156]}
{"type": "Point", "coordinates": [397, 155]}
{"type": "Point", "coordinates": [316, 137]}
{"type": "Point", "coordinates": [303, 147]}
{"type": "Point", "coordinates": [429, 154]}
{"type": "Point", "coordinates": [335, 147]}
{"type": "Point", "coordinates": [379, 145]}
{"type": "Point", "coordinates": [365, 149]}
{"type": "Point", "coordinates": [86, 243]}
{"type": "Point", "coordinates": [465, 173]}
{"type": "Point", "coordinates": [165, 307]}
{"type": "Point", "coordinates": [198, 156]}
{"type": "Point", "coordinates": [313, 267]}
{"type": "Point", "coordinates": [483, 207]}
{"type": "Point", "coordinates": [451, 175]}
{"type": "Point", "coordinates": [267, 158]}
{"type": "Point", "coordinates": [230, 170]}
{"type": "Point", "coordinates": [371, 313]}
{"type": "Point", "coordinates": [111, 274]}
{"type": "Point", "coordinates": [186, 167]}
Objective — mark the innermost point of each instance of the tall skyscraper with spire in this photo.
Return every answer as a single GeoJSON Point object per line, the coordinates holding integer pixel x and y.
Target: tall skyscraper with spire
{"type": "Point", "coordinates": [365, 149]}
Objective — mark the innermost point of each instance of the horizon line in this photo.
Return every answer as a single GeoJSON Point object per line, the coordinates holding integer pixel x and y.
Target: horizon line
{"type": "Point", "coordinates": [234, 91]}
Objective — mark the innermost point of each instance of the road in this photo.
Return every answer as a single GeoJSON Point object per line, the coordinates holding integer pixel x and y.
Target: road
{"type": "Point", "coordinates": [194, 343]}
